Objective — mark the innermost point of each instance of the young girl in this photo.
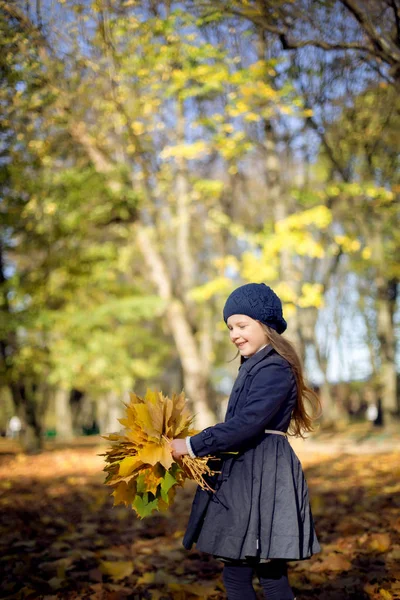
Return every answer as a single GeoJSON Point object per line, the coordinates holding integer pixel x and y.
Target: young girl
{"type": "Point", "coordinates": [259, 515]}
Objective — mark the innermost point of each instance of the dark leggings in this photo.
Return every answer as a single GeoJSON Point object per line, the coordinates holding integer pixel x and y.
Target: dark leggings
{"type": "Point", "coordinates": [272, 576]}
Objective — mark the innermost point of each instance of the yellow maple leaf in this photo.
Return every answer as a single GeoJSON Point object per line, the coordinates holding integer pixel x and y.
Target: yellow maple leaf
{"type": "Point", "coordinates": [154, 453]}
{"type": "Point", "coordinates": [180, 418]}
{"type": "Point", "coordinates": [385, 594]}
{"type": "Point", "coordinates": [128, 465]}
{"type": "Point", "coordinates": [144, 416]}
{"type": "Point", "coordinates": [124, 493]}
{"type": "Point", "coordinates": [138, 437]}
{"type": "Point", "coordinates": [135, 399]}
{"type": "Point", "coordinates": [116, 570]}
{"type": "Point", "coordinates": [155, 407]}
{"type": "Point", "coordinates": [380, 542]}
{"type": "Point", "coordinates": [168, 411]}
{"type": "Point", "coordinates": [152, 478]}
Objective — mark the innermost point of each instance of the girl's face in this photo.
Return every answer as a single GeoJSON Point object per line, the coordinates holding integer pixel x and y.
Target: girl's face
{"type": "Point", "coordinates": [247, 334]}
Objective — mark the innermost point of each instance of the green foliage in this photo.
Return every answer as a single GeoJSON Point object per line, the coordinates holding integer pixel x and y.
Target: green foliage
{"type": "Point", "coordinates": [84, 136]}
{"type": "Point", "coordinates": [145, 505]}
{"type": "Point", "coordinates": [366, 203]}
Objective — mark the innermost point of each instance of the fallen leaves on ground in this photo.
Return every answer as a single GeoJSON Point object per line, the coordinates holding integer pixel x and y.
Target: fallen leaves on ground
{"type": "Point", "coordinates": [61, 538]}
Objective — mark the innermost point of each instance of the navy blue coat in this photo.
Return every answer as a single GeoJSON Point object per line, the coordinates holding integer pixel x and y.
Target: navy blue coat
{"type": "Point", "coordinates": [260, 507]}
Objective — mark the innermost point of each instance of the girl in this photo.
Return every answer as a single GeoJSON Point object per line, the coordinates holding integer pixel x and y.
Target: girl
{"type": "Point", "coordinates": [259, 515]}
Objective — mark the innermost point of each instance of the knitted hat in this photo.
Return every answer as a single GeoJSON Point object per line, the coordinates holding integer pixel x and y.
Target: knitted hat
{"type": "Point", "coordinates": [258, 301]}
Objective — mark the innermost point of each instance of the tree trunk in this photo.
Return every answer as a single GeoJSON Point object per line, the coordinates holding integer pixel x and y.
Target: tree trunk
{"type": "Point", "coordinates": [102, 414]}
{"type": "Point", "coordinates": [195, 376]}
{"type": "Point", "coordinates": [63, 414]}
{"type": "Point", "coordinates": [23, 398]}
{"type": "Point", "coordinates": [115, 410]}
{"type": "Point", "coordinates": [386, 303]}
{"type": "Point", "coordinates": [31, 435]}
{"type": "Point", "coordinates": [184, 254]}
{"type": "Point", "coordinates": [109, 408]}
{"type": "Point", "coordinates": [278, 200]}
{"type": "Point", "coordinates": [330, 409]}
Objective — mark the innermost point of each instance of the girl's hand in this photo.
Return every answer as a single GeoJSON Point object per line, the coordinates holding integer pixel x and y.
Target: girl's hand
{"type": "Point", "coordinates": [178, 448]}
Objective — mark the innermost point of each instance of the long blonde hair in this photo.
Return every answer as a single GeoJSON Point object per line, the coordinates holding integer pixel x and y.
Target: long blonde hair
{"type": "Point", "coordinates": [301, 420]}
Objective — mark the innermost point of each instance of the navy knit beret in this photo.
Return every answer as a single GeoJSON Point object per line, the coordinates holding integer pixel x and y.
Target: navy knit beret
{"type": "Point", "coordinates": [258, 301]}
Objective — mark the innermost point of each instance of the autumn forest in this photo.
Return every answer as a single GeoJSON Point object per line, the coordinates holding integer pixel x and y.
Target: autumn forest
{"type": "Point", "coordinates": [154, 155]}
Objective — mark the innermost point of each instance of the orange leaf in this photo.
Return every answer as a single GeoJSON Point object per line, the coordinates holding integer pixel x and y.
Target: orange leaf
{"type": "Point", "coordinates": [380, 542]}
{"type": "Point", "coordinates": [332, 562]}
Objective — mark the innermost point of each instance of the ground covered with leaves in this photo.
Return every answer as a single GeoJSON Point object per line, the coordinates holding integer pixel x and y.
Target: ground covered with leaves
{"type": "Point", "coordinates": [60, 537]}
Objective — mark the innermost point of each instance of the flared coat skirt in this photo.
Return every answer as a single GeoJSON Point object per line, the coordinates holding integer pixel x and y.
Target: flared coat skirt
{"type": "Point", "coordinates": [260, 508]}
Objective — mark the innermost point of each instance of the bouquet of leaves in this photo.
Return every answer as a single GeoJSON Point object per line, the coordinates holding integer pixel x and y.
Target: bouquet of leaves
{"type": "Point", "coordinates": [140, 466]}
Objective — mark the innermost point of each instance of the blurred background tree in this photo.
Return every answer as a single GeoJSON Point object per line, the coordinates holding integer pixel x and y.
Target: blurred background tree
{"type": "Point", "coordinates": [154, 156]}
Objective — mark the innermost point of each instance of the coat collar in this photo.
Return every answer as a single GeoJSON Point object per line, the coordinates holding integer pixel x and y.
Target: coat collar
{"type": "Point", "coordinates": [250, 362]}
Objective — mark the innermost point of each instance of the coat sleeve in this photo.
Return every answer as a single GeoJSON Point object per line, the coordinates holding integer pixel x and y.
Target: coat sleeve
{"type": "Point", "coordinates": [268, 390]}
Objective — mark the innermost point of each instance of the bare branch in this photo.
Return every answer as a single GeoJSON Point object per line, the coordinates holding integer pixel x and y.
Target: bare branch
{"type": "Point", "coordinates": [279, 21]}
{"type": "Point", "coordinates": [328, 148]}
{"type": "Point", "coordinates": [383, 48]}
{"type": "Point", "coordinates": [395, 9]}
{"type": "Point", "coordinates": [293, 45]}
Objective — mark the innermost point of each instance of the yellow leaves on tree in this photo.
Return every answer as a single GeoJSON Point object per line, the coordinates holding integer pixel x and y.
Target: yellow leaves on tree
{"type": "Point", "coordinates": [188, 151]}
